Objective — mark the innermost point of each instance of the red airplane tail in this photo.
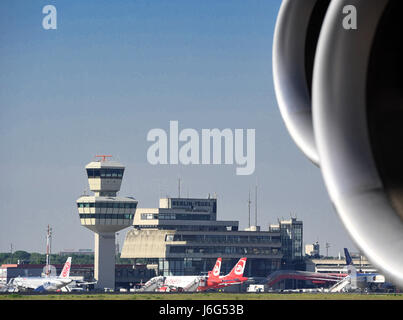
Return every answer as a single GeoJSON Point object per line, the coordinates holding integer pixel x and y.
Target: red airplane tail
{"type": "Point", "coordinates": [234, 277]}
{"type": "Point", "coordinates": [215, 273]}
{"type": "Point", "coordinates": [238, 270]}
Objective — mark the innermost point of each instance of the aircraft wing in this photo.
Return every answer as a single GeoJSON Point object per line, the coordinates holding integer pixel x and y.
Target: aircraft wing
{"type": "Point", "coordinates": [79, 283]}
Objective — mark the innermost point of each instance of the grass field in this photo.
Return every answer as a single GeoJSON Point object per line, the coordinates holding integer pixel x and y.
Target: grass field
{"type": "Point", "coordinates": [203, 296]}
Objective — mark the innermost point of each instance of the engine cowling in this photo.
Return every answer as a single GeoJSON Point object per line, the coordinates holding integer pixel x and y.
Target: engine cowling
{"type": "Point", "coordinates": [295, 39]}
{"type": "Point", "coordinates": [356, 107]}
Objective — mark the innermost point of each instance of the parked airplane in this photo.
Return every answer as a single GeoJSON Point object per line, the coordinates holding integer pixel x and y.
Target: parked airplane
{"type": "Point", "coordinates": [187, 283]}
{"type": "Point", "coordinates": [198, 283]}
{"type": "Point", "coordinates": [362, 280]}
{"type": "Point", "coordinates": [215, 281]}
{"type": "Point", "coordinates": [213, 275]}
{"type": "Point", "coordinates": [41, 284]}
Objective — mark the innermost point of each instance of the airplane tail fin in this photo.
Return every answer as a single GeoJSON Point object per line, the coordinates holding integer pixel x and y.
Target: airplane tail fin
{"type": "Point", "coordinates": [238, 269]}
{"type": "Point", "coordinates": [349, 260]}
{"type": "Point", "coordinates": [66, 269]}
{"type": "Point", "coordinates": [215, 273]}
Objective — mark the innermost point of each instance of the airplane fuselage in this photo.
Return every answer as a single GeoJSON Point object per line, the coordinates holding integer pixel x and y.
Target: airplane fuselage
{"type": "Point", "coordinates": [48, 284]}
{"type": "Point", "coordinates": [182, 281]}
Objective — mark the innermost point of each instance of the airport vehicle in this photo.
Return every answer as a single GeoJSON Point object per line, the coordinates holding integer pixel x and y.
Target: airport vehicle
{"type": "Point", "coordinates": [255, 288]}
{"type": "Point", "coordinates": [47, 283]}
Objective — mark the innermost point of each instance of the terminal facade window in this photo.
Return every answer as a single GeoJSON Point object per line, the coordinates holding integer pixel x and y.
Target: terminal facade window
{"type": "Point", "coordinates": [291, 240]}
{"type": "Point", "coordinates": [221, 250]}
{"type": "Point", "coordinates": [226, 238]}
{"type": "Point", "coordinates": [179, 227]}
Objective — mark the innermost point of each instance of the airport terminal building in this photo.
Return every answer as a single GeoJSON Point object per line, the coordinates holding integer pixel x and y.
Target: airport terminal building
{"type": "Point", "coordinates": [184, 237]}
{"type": "Point", "coordinates": [180, 237]}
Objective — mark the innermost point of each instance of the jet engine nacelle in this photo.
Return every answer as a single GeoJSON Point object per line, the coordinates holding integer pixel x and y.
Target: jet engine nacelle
{"type": "Point", "coordinates": [340, 93]}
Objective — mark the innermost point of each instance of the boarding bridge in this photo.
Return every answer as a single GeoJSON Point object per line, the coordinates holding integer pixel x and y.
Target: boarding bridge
{"type": "Point", "coordinates": [280, 275]}
{"type": "Point", "coordinates": [192, 287]}
{"type": "Point", "coordinates": [348, 283]}
{"type": "Point", "coordinates": [153, 284]}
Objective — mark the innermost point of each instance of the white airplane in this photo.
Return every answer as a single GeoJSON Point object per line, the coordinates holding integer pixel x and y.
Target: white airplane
{"type": "Point", "coordinates": [42, 284]}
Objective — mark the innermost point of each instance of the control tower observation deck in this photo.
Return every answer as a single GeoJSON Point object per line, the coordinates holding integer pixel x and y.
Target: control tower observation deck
{"type": "Point", "coordinates": [104, 213]}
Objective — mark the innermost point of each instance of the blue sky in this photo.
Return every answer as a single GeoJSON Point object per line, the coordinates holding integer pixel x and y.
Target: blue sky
{"type": "Point", "coordinates": [112, 71]}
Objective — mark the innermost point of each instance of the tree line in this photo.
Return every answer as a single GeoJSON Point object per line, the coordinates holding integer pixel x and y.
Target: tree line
{"type": "Point", "coordinates": [23, 257]}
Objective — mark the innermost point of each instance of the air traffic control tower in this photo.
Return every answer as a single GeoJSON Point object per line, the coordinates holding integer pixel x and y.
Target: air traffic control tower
{"type": "Point", "coordinates": [104, 213]}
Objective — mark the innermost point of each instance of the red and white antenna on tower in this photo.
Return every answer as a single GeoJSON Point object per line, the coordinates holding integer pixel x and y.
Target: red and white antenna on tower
{"type": "Point", "coordinates": [103, 157]}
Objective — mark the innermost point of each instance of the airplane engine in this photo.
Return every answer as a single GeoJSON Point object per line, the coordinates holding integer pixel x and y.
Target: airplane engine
{"type": "Point", "coordinates": [340, 94]}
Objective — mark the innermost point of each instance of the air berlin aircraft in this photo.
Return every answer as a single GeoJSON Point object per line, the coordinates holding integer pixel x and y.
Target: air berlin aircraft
{"type": "Point", "coordinates": [198, 283]}
{"type": "Point", "coordinates": [215, 281]}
